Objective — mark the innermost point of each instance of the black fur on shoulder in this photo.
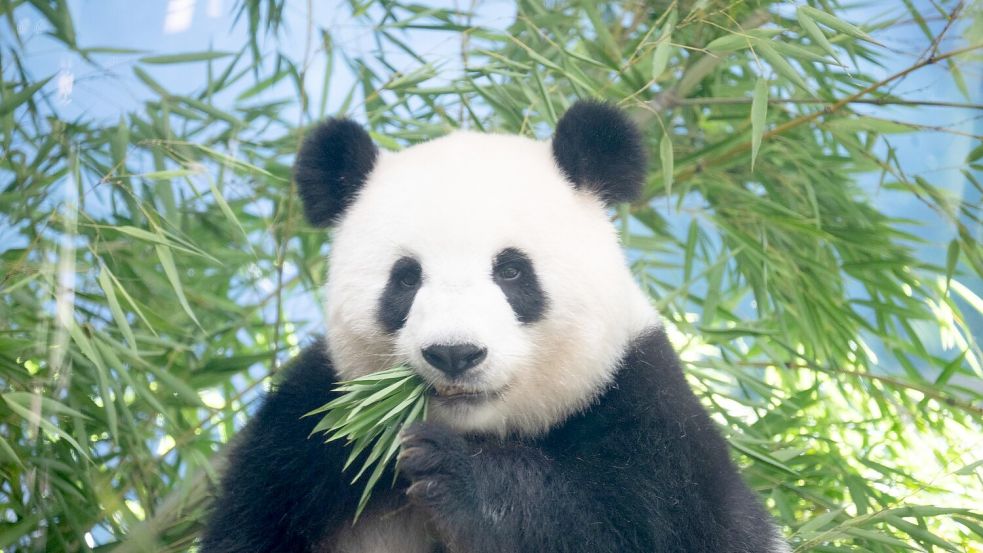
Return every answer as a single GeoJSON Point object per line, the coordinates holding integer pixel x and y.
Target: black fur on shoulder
{"type": "Point", "coordinates": [283, 489]}
{"type": "Point", "coordinates": [599, 149]}
{"type": "Point", "coordinates": [331, 167]}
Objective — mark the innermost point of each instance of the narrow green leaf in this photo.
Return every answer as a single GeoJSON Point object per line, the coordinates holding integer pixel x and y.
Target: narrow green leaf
{"type": "Point", "coordinates": [950, 369]}
{"type": "Point", "coordinates": [778, 63]}
{"type": "Point", "coordinates": [761, 456]}
{"type": "Point", "coordinates": [106, 283]}
{"type": "Point", "coordinates": [661, 57]}
{"type": "Point", "coordinates": [170, 269]}
{"type": "Point", "coordinates": [369, 415]}
{"type": "Point", "coordinates": [10, 103]}
{"type": "Point", "coordinates": [692, 235]}
{"type": "Point", "coordinates": [35, 418]}
{"type": "Point", "coordinates": [919, 19]}
{"type": "Point", "coordinates": [414, 77]}
{"type": "Point", "coordinates": [759, 114]}
{"type": "Point", "coordinates": [233, 162]}
{"type": "Point", "coordinates": [7, 452]}
{"type": "Point", "coordinates": [740, 41]}
{"type": "Point", "coordinates": [837, 24]}
{"type": "Point", "coordinates": [970, 469]}
{"type": "Point", "coordinates": [48, 405]}
{"type": "Point", "coordinates": [665, 156]}
{"type": "Point", "coordinates": [959, 80]}
{"type": "Point", "coordinates": [14, 532]}
{"type": "Point", "coordinates": [229, 214]}
{"type": "Point", "coordinates": [168, 174]}
{"type": "Point", "coordinates": [370, 483]}
{"type": "Point", "coordinates": [119, 143]}
{"type": "Point", "coordinates": [162, 239]}
{"type": "Point", "coordinates": [133, 304]}
{"type": "Point", "coordinates": [151, 83]}
{"type": "Point", "coordinates": [176, 385]}
{"type": "Point", "coordinates": [817, 34]}
{"type": "Point", "coordinates": [951, 259]}
{"type": "Point", "coordinates": [185, 58]}
{"type": "Point", "coordinates": [800, 53]}
{"type": "Point", "coordinates": [867, 123]}
{"type": "Point", "coordinates": [375, 397]}
{"type": "Point", "coordinates": [975, 154]}
{"type": "Point", "coordinates": [261, 85]}
{"type": "Point", "coordinates": [110, 50]}
{"type": "Point", "coordinates": [210, 109]}
{"type": "Point", "coordinates": [60, 18]}
{"type": "Point", "coordinates": [818, 523]}
{"type": "Point", "coordinates": [728, 43]}
{"type": "Point", "coordinates": [920, 534]}
{"type": "Point", "coordinates": [714, 278]}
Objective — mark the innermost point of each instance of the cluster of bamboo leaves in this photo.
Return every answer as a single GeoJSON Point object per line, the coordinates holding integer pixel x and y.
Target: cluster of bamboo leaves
{"type": "Point", "coordinates": [369, 415]}
{"type": "Point", "coordinates": [156, 271]}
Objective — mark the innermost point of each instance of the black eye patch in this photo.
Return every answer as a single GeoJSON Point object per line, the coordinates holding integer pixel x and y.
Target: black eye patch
{"type": "Point", "coordinates": [405, 279]}
{"type": "Point", "coordinates": [513, 272]}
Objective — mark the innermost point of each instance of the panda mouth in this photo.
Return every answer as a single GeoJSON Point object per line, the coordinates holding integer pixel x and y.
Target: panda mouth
{"type": "Point", "coordinates": [456, 393]}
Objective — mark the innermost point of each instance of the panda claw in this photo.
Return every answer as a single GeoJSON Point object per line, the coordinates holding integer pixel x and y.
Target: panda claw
{"type": "Point", "coordinates": [411, 433]}
{"type": "Point", "coordinates": [408, 452]}
{"type": "Point", "coordinates": [421, 489]}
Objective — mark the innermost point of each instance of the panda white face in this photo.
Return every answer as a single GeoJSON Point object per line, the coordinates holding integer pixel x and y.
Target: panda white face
{"type": "Point", "coordinates": [473, 259]}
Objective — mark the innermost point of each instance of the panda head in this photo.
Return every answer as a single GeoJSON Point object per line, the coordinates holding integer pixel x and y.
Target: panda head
{"type": "Point", "coordinates": [486, 262]}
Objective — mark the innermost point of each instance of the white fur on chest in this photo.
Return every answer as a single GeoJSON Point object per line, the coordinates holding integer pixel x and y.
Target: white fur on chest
{"type": "Point", "coordinates": [399, 530]}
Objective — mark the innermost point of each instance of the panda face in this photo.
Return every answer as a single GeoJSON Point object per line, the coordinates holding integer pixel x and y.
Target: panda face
{"type": "Point", "coordinates": [473, 259]}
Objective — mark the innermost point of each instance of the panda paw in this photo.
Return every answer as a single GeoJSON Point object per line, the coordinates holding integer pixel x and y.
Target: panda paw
{"type": "Point", "coordinates": [437, 463]}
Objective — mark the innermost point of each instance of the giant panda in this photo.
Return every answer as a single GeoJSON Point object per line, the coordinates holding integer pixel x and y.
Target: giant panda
{"type": "Point", "coordinates": [560, 419]}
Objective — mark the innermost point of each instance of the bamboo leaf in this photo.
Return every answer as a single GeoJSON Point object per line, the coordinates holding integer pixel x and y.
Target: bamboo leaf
{"type": "Point", "coordinates": [951, 259]}
{"type": "Point", "coordinates": [106, 284]}
{"type": "Point", "coordinates": [369, 414]}
{"type": "Point", "coordinates": [660, 58]}
{"type": "Point", "coordinates": [759, 113]}
{"type": "Point", "coordinates": [813, 30]}
{"type": "Point", "coordinates": [170, 269]}
{"type": "Point", "coordinates": [185, 58]}
{"type": "Point", "coordinates": [835, 23]}
{"type": "Point", "coordinates": [665, 157]}
{"type": "Point", "coordinates": [35, 418]}
{"type": "Point", "coordinates": [778, 63]}
{"type": "Point", "coordinates": [729, 43]}
{"type": "Point", "coordinates": [11, 102]}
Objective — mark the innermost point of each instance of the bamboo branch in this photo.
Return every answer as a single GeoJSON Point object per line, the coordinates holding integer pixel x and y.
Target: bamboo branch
{"type": "Point", "coordinates": [872, 101]}
{"type": "Point", "coordinates": [933, 48]}
{"type": "Point", "coordinates": [699, 71]}
{"type": "Point", "coordinates": [687, 171]}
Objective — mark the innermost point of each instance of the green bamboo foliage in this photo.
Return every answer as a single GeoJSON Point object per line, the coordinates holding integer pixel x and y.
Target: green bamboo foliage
{"type": "Point", "coordinates": [369, 414]}
{"type": "Point", "coordinates": [156, 271]}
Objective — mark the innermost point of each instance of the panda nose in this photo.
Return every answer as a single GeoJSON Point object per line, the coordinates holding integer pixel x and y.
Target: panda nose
{"type": "Point", "coordinates": [453, 360]}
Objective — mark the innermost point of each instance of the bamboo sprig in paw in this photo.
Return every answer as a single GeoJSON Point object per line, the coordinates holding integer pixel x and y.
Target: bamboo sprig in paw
{"type": "Point", "coordinates": [369, 414]}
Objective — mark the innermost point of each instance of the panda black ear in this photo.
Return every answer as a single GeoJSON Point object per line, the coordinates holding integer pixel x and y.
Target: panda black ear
{"type": "Point", "coordinates": [331, 167]}
{"type": "Point", "coordinates": [599, 149]}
